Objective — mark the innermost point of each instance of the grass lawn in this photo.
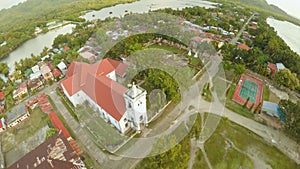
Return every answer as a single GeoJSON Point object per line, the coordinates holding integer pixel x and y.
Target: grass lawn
{"type": "Point", "coordinates": [222, 155]}
{"type": "Point", "coordinates": [100, 131]}
{"type": "Point", "coordinates": [168, 48]}
{"type": "Point", "coordinates": [14, 136]}
{"type": "Point", "coordinates": [266, 94]}
{"type": "Point", "coordinates": [206, 93]}
{"type": "Point", "coordinates": [200, 162]}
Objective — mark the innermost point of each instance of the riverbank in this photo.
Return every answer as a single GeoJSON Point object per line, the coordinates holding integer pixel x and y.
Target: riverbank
{"type": "Point", "coordinates": [18, 23]}
{"type": "Point", "coordinates": [290, 37]}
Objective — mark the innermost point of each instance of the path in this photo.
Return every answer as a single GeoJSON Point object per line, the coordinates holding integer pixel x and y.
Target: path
{"type": "Point", "coordinates": [235, 39]}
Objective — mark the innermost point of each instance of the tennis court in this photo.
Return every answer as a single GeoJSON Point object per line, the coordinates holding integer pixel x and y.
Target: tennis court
{"type": "Point", "coordinates": [249, 89]}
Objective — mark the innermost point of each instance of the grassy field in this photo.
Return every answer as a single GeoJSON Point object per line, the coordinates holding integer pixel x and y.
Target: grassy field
{"type": "Point", "coordinates": [168, 48]}
{"type": "Point", "coordinates": [100, 131]}
{"type": "Point", "coordinates": [14, 136]}
{"type": "Point", "coordinates": [232, 146]}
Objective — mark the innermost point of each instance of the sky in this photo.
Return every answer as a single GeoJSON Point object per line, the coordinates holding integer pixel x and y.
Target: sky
{"type": "Point", "coordinates": [292, 7]}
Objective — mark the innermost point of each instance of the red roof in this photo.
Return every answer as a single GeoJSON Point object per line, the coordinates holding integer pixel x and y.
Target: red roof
{"type": "Point", "coordinates": [243, 46]}
{"type": "Point", "coordinates": [196, 39]}
{"type": "Point", "coordinates": [119, 67]}
{"type": "Point", "coordinates": [56, 72]}
{"type": "Point", "coordinates": [273, 67]}
{"type": "Point", "coordinates": [2, 95]}
{"type": "Point", "coordinates": [91, 79]}
{"type": "Point", "coordinates": [58, 124]}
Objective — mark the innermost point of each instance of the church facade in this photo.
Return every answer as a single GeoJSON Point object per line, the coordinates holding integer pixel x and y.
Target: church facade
{"type": "Point", "coordinates": [96, 84]}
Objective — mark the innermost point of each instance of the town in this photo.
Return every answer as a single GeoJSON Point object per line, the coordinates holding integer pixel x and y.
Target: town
{"type": "Point", "coordinates": [91, 99]}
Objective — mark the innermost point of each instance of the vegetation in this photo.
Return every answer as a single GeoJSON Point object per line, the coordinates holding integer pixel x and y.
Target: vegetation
{"type": "Point", "coordinates": [51, 132]}
{"type": "Point", "coordinates": [19, 22]}
{"type": "Point", "coordinates": [206, 93]}
{"type": "Point", "coordinates": [290, 112]}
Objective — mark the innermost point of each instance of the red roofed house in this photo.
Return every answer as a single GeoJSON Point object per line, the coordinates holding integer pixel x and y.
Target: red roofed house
{"type": "Point", "coordinates": [58, 124]}
{"type": "Point", "coordinates": [122, 107]}
{"type": "Point", "coordinates": [2, 102]}
{"type": "Point", "coordinates": [243, 46]}
{"type": "Point", "coordinates": [272, 68]}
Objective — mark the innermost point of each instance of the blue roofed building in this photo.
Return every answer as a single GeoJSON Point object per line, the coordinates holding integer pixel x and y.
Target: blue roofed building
{"type": "Point", "coordinates": [270, 113]}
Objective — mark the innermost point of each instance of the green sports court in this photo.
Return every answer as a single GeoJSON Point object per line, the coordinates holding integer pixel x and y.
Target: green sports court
{"type": "Point", "coordinates": [249, 89]}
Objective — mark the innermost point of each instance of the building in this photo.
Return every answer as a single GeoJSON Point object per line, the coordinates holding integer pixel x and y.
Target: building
{"type": "Point", "coordinates": [2, 124]}
{"type": "Point", "coordinates": [270, 114]}
{"type": "Point", "coordinates": [17, 116]}
{"type": "Point", "coordinates": [272, 69]}
{"type": "Point", "coordinates": [20, 91]}
{"type": "Point", "coordinates": [54, 153]}
{"type": "Point", "coordinates": [280, 66]}
{"type": "Point", "coordinates": [243, 47]}
{"type": "Point", "coordinates": [34, 84]}
{"type": "Point", "coordinates": [46, 72]}
{"type": "Point", "coordinates": [2, 102]}
{"type": "Point", "coordinates": [62, 67]}
{"type": "Point", "coordinates": [96, 84]}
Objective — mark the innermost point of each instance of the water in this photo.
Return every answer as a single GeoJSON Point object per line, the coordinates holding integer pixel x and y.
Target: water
{"type": "Point", "coordinates": [289, 32]}
{"type": "Point", "coordinates": [5, 4]}
{"type": "Point", "coordinates": [35, 46]}
{"type": "Point", "coordinates": [144, 6]}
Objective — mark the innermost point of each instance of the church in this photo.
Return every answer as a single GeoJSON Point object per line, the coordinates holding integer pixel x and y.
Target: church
{"type": "Point", "coordinates": [97, 84]}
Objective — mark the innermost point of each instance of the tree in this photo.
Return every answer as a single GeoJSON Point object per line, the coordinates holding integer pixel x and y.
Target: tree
{"type": "Point", "coordinates": [287, 78]}
{"type": "Point", "coordinates": [245, 104]}
{"type": "Point", "coordinates": [50, 132]}
{"type": "Point", "coordinates": [290, 112]}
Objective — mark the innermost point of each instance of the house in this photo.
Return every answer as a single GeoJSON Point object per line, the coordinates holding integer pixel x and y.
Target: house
{"type": "Point", "coordinates": [270, 113]}
{"type": "Point", "coordinates": [34, 84]}
{"type": "Point", "coordinates": [96, 84]}
{"type": "Point", "coordinates": [243, 47]}
{"type": "Point", "coordinates": [2, 102]}
{"type": "Point", "coordinates": [58, 125]}
{"type": "Point", "coordinates": [54, 153]}
{"type": "Point", "coordinates": [62, 67]}
{"type": "Point", "coordinates": [88, 56]}
{"type": "Point", "coordinates": [20, 91]}
{"type": "Point", "coordinates": [280, 66]}
{"type": "Point", "coordinates": [46, 72]}
{"type": "Point", "coordinates": [35, 73]}
{"type": "Point", "coordinates": [17, 116]}
{"type": "Point", "coordinates": [272, 69]}
{"type": "Point", "coordinates": [2, 124]}
{"type": "Point", "coordinates": [56, 73]}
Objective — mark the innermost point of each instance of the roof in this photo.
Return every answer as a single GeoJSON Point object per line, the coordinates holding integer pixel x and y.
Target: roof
{"type": "Point", "coordinates": [196, 39]}
{"type": "Point", "coordinates": [92, 79]}
{"type": "Point", "coordinates": [45, 69]}
{"type": "Point", "coordinates": [54, 153]}
{"type": "Point", "coordinates": [243, 46]}
{"type": "Point", "coordinates": [56, 72]}
{"type": "Point", "coordinates": [2, 95]}
{"type": "Point", "coordinates": [35, 68]}
{"type": "Point", "coordinates": [58, 124]}
{"type": "Point", "coordinates": [20, 88]}
{"type": "Point", "coordinates": [16, 113]}
{"type": "Point", "coordinates": [271, 108]}
{"type": "Point", "coordinates": [273, 67]}
{"type": "Point", "coordinates": [62, 66]}
{"type": "Point", "coordinates": [119, 67]}
{"type": "Point", "coordinates": [280, 66]}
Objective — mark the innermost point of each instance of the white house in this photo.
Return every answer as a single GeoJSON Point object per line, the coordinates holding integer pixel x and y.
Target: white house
{"type": "Point", "coordinates": [124, 108]}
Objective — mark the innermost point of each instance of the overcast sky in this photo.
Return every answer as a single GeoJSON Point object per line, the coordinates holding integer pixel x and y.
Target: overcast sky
{"type": "Point", "coordinates": [292, 7]}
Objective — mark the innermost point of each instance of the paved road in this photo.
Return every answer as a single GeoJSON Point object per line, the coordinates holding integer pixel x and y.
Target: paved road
{"type": "Point", "coordinates": [82, 137]}
{"type": "Point", "coordinates": [234, 40]}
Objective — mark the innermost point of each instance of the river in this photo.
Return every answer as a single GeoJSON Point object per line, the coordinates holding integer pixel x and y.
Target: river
{"type": "Point", "coordinates": [35, 46]}
{"type": "Point", "coordinates": [289, 32]}
{"type": "Point", "coordinates": [143, 6]}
